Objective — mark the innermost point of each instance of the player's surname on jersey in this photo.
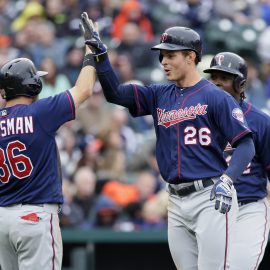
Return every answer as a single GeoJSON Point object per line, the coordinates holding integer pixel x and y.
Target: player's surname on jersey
{"type": "Point", "coordinates": [16, 125]}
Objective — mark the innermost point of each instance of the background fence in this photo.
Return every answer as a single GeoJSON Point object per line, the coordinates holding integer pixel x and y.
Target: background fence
{"type": "Point", "coordinates": [111, 250]}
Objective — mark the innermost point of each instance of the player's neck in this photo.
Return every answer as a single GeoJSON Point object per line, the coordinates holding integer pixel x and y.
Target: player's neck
{"type": "Point", "coordinates": [19, 100]}
{"type": "Point", "coordinates": [189, 80]}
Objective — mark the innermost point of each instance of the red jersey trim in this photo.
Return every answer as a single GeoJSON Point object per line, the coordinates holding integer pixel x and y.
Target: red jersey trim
{"type": "Point", "coordinates": [51, 231]}
{"type": "Point", "coordinates": [71, 104]}
{"type": "Point", "coordinates": [137, 99]}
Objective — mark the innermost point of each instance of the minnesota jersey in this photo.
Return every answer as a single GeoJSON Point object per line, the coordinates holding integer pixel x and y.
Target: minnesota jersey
{"type": "Point", "coordinates": [192, 125]}
{"type": "Point", "coordinates": [29, 162]}
{"type": "Point", "coordinates": [251, 185]}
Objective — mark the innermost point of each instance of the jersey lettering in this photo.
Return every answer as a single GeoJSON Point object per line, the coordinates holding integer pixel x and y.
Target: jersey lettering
{"type": "Point", "coordinates": [17, 125]}
{"type": "Point", "coordinates": [170, 118]}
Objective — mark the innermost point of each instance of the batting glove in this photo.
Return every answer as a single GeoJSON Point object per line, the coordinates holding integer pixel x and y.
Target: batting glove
{"type": "Point", "coordinates": [222, 192]}
{"type": "Point", "coordinates": [91, 36]}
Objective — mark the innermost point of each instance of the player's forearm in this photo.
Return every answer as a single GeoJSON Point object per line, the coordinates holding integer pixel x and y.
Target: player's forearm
{"type": "Point", "coordinates": [114, 92]}
{"type": "Point", "coordinates": [242, 155]}
{"type": "Point", "coordinates": [83, 87]}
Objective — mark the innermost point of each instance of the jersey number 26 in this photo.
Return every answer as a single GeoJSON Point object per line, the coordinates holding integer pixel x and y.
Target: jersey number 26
{"type": "Point", "coordinates": [193, 135]}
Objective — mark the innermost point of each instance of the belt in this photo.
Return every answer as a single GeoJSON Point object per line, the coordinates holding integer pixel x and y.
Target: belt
{"type": "Point", "coordinates": [246, 202]}
{"type": "Point", "coordinates": [34, 204]}
{"type": "Point", "coordinates": [196, 186]}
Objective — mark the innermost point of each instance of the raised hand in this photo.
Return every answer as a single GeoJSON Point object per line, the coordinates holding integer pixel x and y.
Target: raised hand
{"type": "Point", "coordinates": [86, 26]}
{"type": "Point", "coordinates": [91, 35]}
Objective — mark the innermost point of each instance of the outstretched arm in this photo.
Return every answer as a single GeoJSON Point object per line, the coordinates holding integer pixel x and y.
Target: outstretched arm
{"type": "Point", "coordinates": [83, 87]}
{"type": "Point", "coordinates": [114, 92]}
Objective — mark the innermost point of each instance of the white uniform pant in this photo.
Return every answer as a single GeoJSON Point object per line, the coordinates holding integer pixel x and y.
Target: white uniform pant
{"type": "Point", "coordinates": [30, 237]}
{"type": "Point", "coordinates": [199, 236]}
{"type": "Point", "coordinates": [252, 230]}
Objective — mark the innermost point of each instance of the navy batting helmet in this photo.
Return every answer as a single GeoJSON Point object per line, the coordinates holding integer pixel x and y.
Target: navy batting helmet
{"type": "Point", "coordinates": [179, 38]}
{"type": "Point", "coordinates": [233, 64]}
{"type": "Point", "coordinates": [19, 77]}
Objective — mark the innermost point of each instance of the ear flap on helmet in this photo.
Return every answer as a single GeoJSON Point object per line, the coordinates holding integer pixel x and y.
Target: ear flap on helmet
{"type": "Point", "coordinates": [239, 84]}
{"type": "Point", "coordinates": [33, 89]}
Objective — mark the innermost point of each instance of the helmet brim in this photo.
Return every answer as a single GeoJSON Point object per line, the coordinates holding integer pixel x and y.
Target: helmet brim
{"type": "Point", "coordinates": [222, 69]}
{"type": "Point", "coordinates": [41, 73]}
{"type": "Point", "coordinates": [169, 47]}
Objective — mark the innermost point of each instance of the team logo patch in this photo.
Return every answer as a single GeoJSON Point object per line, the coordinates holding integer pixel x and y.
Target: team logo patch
{"type": "Point", "coordinates": [238, 114]}
{"type": "Point", "coordinates": [3, 113]}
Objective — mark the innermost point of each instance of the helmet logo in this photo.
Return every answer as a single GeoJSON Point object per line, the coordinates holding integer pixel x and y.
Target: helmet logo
{"type": "Point", "coordinates": [219, 59]}
{"type": "Point", "coordinates": [164, 37]}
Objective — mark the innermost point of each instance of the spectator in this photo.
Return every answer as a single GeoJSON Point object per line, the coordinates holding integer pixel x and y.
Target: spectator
{"type": "Point", "coordinates": [125, 69]}
{"type": "Point", "coordinates": [131, 11]}
{"type": "Point", "coordinates": [106, 213]}
{"type": "Point", "coordinates": [255, 90]}
{"type": "Point", "coordinates": [93, 115]}
{"type": "Point", "coordinates": [7, 52]}
{"type": "Point", "coordinates": [119, 120]}
{"type": "Point", "coordinates": [112, 163]}
{"type": "Point", "coordinates": [33, 11]}
{"type": "Point", "coordinates": [24, 38]}
{"type": "Point", "coordinates": [193, 13]}
{"type": "Point", "coordinates": [49, 45]}
{"type": "Point", "coordinates": [154, 212]}
{"type": "Point", "coordinates": [54, 81]}
{"type": "Point", "coordinates": [69, 152]}
{"type": "Point", "coordinates": [73, 63]}
{"type": "Point", "coordinates": [238, 11]}
{"type": "Point", "coordinates": [71, 214]}
{"type": "Point", "coordinates": [8, 12]}
{"type": "Point", "coordinates": [124, 194]}
{"type": "Point", "coordinates": [55, 11]}
{"type": "Point", "coordinates": [85, 183]}
{"type": "Point", "coordinates": [90, 153]}
{"type": "Point", "coordinates": [133, 45]}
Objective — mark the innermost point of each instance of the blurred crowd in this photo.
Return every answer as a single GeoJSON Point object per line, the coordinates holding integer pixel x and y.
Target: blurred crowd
{"type": "Point", "coordinates": [110, 174]}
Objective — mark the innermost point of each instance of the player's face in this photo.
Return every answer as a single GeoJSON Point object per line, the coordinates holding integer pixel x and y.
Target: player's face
{"type": "Point", "coordinates": [223, 80]}
{"type": "Point", "coordinates": [175, 65]}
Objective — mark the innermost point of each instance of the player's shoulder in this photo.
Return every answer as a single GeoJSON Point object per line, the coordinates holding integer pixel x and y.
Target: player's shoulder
{"type": "Point", "coordinates": [55, 98]}
{"type": "Point", "coordinates": [248, 107]}
{"type": "Point", "coordinates": [162, 87]}
{"type": "Point", "coordinates": [253, 112]}
{"type": "Point", "coordinates": [214, 91]}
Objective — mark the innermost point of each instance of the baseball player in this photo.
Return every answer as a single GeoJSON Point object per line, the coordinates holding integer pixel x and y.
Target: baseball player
{"type": "Point", "coordinates": [193, 121]}
{"type": "Point", "coordinates": [30, 177]}
{"type": "Point", "coordinates": [229, 71]}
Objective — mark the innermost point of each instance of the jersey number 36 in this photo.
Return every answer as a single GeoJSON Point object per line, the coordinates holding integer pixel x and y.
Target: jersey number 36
{"type": "Point", "coordinates": [18, 165]}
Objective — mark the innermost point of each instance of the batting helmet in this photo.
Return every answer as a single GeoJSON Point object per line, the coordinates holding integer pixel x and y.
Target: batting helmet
{"type": "Point", "coordinates": [19, 77]}
{"type": "Point", "coordinates": [233, 64]}
{"type": "Point", "coordinates": [179, 38]}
